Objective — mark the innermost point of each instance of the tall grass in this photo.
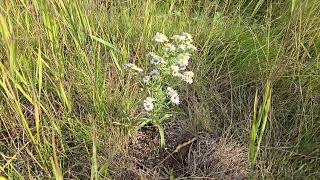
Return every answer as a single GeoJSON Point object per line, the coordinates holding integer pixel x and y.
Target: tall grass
{"type": "Point", "coordinates": [65, 102]}
{"type": "Point", "coordinates": [259, 122]}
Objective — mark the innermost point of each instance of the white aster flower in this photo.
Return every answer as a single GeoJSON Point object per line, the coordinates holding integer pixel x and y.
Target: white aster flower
{"type": "Point", "coordinates": [148, 104]}
{"type": "Point", "coordinates": [175, 99]}
{"type": "Point", "coordinates": [168, 47]}
{"type": "Point", "coordinates": [175, 70]}
{"type": "Point", "coordinates": [154, 74]}
{"type": "Point", "coordinates": [146, 79]}
{"type": "Point", "coordinates": [183, 59]}
{"type": "Point", "coordinates": [188, 76]}
{"type": "Point", "coordinates": [133, 66]}
{"type": "Point", "coordinates": [161, 38]}
{"type": "Point", "coordinates": [179, 38]}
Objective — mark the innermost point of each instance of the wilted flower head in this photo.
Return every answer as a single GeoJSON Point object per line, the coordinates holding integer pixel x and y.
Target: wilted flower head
{"type": "Point", "coordinates": [188, 36]}
{"type": "Point", "coordinates": [154, 74]}
{"type": "Point", "coordinates": [133, 66]}
{"type": "Point", "coordinates": [155, 59]}
{"type": "Point", "coordinates": [146, 79]}
{"type": "Point", "coordinates": [148, 104]}
{"type": "Point", "coordinates": [188, 76]}
{"type": "Point", "coordinates": [160, 38]}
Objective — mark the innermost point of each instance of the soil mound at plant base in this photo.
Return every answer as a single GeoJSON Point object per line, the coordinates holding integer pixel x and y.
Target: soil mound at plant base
{"type": "Point", "coordinates": [187, 155]}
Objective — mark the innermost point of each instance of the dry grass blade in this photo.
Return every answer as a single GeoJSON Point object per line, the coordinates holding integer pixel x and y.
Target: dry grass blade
{"type": "Point", "coordinates": [57, 172]}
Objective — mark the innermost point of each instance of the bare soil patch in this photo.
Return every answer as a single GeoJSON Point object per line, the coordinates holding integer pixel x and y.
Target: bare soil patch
{"type": "Point", "coordinates": [187, 156]}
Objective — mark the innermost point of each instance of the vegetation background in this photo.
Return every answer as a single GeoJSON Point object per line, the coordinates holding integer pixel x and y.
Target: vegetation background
{"type": "Point", "coordinates": [65, 100]}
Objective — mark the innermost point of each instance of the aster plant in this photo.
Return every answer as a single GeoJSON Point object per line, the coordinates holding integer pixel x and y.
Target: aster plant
{"type": "Point", "coordinates": [169, 68]}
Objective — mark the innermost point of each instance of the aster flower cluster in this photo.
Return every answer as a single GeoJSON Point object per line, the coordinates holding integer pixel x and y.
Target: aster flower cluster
{"type": "Point", "coordinates": [169, 62]}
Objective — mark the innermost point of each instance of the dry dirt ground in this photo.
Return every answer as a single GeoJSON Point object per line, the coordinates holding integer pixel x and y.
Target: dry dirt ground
{"type": "Point", "coordinates": [186, 156]}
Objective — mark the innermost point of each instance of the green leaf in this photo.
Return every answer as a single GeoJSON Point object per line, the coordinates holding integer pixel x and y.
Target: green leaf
{"type": "Point", "coordinates": [165, 117]}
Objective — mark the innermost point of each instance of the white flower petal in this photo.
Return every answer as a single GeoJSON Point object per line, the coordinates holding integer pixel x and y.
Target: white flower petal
{"type": "Point", "coordinates": [179, 38]}
{"type": "Point", "coordinates": [148, 104]}
{"type": "Point", "coordinates": [161, 38]}
{"type": "Point", "coordinates": [175, 70]}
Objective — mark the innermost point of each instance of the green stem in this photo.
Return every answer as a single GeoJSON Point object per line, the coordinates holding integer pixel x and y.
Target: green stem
{"type": "Point", "coordinates": [161, 132]}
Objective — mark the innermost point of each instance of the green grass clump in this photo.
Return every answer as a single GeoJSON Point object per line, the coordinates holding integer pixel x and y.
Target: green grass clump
{"type": "Point", "coordinates": [65, 98]}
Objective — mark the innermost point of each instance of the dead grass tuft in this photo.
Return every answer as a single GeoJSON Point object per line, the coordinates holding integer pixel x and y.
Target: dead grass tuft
{"type": "Point", "coordinates": [219, 158]}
